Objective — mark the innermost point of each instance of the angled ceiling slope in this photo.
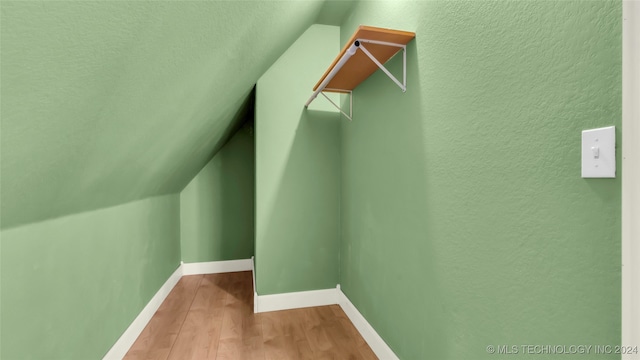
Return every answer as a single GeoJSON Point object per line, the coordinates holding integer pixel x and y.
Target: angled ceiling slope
{"type": "Point", "coordinates": [109, 102]}
{"type": "Point", "coordinates": [334, 12]}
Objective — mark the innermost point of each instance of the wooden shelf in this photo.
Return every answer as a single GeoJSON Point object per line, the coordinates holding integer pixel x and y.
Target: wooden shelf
{"type": "Point", "coordinates": [359, 66]}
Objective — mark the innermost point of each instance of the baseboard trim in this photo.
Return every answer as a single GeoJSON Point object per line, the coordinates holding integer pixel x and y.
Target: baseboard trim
{"type": "Point", "coordinates": [295, 300]}
{"type": "Point", "coordinates": [216, 267]}
{"type": "Point", "coordinates": [126, 340]}
{"type": "Point", "coordinates": [261, 303]}
{"type": "Point", "coordinates": [302, 299]}
{"type": "Point", "coordinates": [376, 343]}
{"type": "Point", "coordinates": [255, 292]}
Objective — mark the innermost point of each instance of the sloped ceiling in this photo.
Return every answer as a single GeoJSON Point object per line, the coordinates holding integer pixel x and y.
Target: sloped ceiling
{"type": "Point", "coordinates": [106, 102]}
{"type": "Point", "coordinates": [334, 12]}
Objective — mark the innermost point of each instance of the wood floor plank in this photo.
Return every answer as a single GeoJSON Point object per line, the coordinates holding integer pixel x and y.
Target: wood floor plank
{"type": "Point", "coordinates": [195, 338]}
{"type": "Point", "coordinates": [366, 352]}
{"type": "Point", "coordinates": [209, 317]}
{"type": "Point", "coordinates": [284, 323]}
{"type": "Point", "coordinates": [303, 350]}
{"type": "Point", "coordinates": [234, 349]}
{"type": "Point", "coordinates": [280, 348]}
{"type": "Point", "coordinates": [211, 294]}
{"type": "Point", "coordinates": [157, 338]}
{"type": "Point", "coordinates": [198, 338]}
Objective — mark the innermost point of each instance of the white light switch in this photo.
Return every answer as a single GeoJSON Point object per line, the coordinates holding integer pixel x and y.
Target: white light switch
{"type": "Point", "coordinates": [599, 153]}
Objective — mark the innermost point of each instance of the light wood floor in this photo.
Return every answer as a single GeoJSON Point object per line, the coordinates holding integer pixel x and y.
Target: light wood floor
{"type": "Point", "coordinates": [211, 317]}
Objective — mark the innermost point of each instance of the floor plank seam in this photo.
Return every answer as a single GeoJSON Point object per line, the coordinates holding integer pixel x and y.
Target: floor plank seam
{"type": "Point", "coordinates": [221, 324]}
{"type": "Point", "coordinates": [259, 320]}
{"type": "Point", "coordinates": [195, 294]}
{"type": "Point", "coordinates": [210, 317]}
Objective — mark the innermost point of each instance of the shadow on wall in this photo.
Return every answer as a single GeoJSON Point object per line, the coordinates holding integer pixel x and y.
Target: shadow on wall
{"type": "Point", "coordinates": [218, 206]}
{"type": "Point", "coordinates": [237, 195]}
{"type": "Point", "coordinates": [389, 264]}
{"type": "Point", "coordinates": [302, 232]}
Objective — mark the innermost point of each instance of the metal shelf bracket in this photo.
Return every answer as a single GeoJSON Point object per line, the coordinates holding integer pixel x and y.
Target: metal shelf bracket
{"type": "Point", "coordinates": [403, 84]}
{"type": "Point", "coordinates": [338, 107]}
{"type": "Point", "coordinates": [358, 44]}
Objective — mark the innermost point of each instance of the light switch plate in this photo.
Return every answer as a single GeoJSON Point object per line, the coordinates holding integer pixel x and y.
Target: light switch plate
{"type": "Point", "coordinates": [599, 153]}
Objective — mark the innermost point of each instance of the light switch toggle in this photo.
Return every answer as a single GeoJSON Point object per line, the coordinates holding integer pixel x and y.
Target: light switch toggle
{"type": "Point", "coordinates": [599, 153]}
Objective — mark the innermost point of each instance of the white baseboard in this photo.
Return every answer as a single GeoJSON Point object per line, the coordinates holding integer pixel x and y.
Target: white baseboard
{"type": "Point", "coordinates": [262, 303]}
{"type": "Point", "coordinates": [215, 267]}
{"type": "Point", "coordinates": [295, 300]}
{"type": "Point", "coordinates": [255, 292]}
{"type": "Point", "coordinates": [302, 299]}
{"type": "Point", "coordinates": [379, 347]}
{"type": "Point", "coordinates": [122, 346]}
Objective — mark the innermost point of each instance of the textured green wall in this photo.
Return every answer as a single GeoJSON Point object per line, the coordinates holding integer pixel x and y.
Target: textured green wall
{"type": "Point", "coordinates": [465, 222]}
{"type": "Point", "coordinates": [333, 12]}
{"type": "Point", "coordinates": [71, 286]}
{"type": "Point", "coordinates": [297, 171]}
{"type": "Point", "coordinates": [106, 102]}
{"type": "Point", "coordinates": [217, 209]}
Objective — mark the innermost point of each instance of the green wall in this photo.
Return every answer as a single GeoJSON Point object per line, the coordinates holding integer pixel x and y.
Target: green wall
{"type": "Point", "coordinates": [72, 285]}
{"type": "Point", "coordinates": [297, 171]}
{"type": "Point", "coordinates": [453, 215]}
{"type": "Point", "coordinates": [107, 102]}
{"type": "Point", "coordinates": [217, 211]}
{"type": "Point", "coordinates": [465, 222]}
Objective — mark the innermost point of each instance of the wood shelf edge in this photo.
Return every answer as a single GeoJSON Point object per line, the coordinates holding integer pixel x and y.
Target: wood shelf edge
{"type": "Point", "coordinates": [357, 34]}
